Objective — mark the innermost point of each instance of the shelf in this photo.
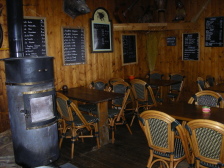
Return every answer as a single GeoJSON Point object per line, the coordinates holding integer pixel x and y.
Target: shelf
{"type": "Point", "coordinates": [153, 26]}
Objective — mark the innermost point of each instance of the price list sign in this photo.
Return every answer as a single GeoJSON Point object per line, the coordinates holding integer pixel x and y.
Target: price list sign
{"type": "Point", "coordinates": [214, 32]}
{"type": "Point", "coordinates": [129, 49]}
{"type": "Point", "coordinates": [34, 37]}
{"type": "Point", "coordinates": [190, 46]}
{"type": "Point", "coordinates": [73, 46]}
{"type": "Point", "coordinates": [102, 37]}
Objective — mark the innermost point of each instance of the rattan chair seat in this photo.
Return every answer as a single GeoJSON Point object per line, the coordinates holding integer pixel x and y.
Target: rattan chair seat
{"type": "Point", "coordinates": [78, 122]}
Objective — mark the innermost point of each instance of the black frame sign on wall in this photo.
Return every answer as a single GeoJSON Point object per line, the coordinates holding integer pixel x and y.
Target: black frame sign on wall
{"type": "Point", "coordinates": [190, 46]}
{"type": "Point", "coordinates": [73, 46]}
{"type": "Point", "coordinates": [129, 49]}
{"type": "Point", "coordinates": [101, 31]}
{"type": "Point", "coordinates": [171, 41]}
{"type": "Point", "coordinates": [214, 32]}
{"type": "Point", "coordinates": [34, 36]}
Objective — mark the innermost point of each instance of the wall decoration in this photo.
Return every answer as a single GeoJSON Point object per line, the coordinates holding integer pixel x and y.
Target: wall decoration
{"type": "Point", "coordinates": [214, 31]}
{"type": "Point", "coordinates": [171, 41]}
{"type": "Point", "coordinates": [34, 36]}
{"type": "Point", "coordinates": [101, 31]}
{"type": "Point", "coordinates": [129, 49]}
{"type": "Point", "coordinates": [75, 8]}
{"type": "Point", "coordinates": [73, 46]}
{"type": "Point", "coordinates": [190, 46]}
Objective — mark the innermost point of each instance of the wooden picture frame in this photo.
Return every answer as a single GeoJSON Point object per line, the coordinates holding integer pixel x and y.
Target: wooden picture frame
{"type": "Point", "coordinates": [101, 31]}
{"type": "Point", "coordinates": [190, 46]}
{"type": "Point", "coordinates": [35, 36]}
{"type": "Point", "coordinates": [129, 49]}
{"type": "Point", "coordinates": [73, 45]}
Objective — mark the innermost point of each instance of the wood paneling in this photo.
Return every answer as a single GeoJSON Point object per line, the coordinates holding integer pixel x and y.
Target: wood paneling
{"type": "Point", "coordinates": [108, 65]}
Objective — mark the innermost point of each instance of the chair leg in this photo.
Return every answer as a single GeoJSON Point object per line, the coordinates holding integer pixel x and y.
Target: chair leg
{"type": "Point", "coordinates": [129, 129]}
{"type": "Point", "coordinates": [74, 136]}
{"type": "Point", "coordinates": [97, 135]}
{"type": "Point", "coordinates": [63, 135]}
{"type": "Point", "coordinates": [132, 120]}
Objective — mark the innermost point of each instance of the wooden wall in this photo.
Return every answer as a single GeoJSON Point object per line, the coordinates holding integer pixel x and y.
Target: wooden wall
{"type": "Point", "coordinates": [107, 65]}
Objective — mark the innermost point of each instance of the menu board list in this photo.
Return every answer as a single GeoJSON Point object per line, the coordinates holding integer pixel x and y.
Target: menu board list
{"type": "Point", "coordinates": [102, 37]}
{"type": "Point", "coordinates": [129, 48]}
{"type": "Point", "coordinates": [214, 32]}
{"type": "Point", "coordinates": [34, 39]}
{"type": "Point", "coordinates": [191, 46]}
{"type": "Point", "coordinates": [74, 46]}
{"type": "Point", "coordinates": [171, 41]}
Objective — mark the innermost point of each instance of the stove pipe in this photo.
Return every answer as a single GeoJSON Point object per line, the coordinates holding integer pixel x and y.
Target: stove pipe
{"type": "Point", "coordinates": [15, 28]}
{"type": "Point", "coordinates": [31, 98]}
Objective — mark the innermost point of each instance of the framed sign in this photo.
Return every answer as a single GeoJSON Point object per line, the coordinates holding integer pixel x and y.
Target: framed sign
{"type": "Point", "coordinates": [129, 49]}
{"type": "Point", "coordinates": [34, 36]}
{"type": "Point", "coordinates": [171, 41]}
{"type": "Point", "coordinates": [214, 32]}
{"type": "Point", "coordinates": [101, 35]}
{"type": "Point", "coordinates": [190, 46]}
{"type": "Point", "coordinates": [73, 46]}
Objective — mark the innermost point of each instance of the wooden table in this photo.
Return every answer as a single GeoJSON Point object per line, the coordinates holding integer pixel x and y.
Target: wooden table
{"type": "Point", "coordinates": [100, 98]}
{"type": "Point", "coordinates": [188, 112]}
{"type": "Point", "coordinates": [163, 84]}
{"type": "Point", "coordinates": [217, 88]}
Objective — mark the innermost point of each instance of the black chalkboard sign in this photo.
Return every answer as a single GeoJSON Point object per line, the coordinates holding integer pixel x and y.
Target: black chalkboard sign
{"type": "Point", "coordinates": [214, 32]}
{"type": "Point", "coordinates": [171, 41]}
{"type": "Point", "coordinates": [101, 31]}
{"type": "Point", "coordinates": [102, 37]}
{"type": "Point", "coordinates": [190, 46]}
{"type": "Point", "coordinates": [129, 50]}
{"type": "Point", "coordinates": [34, 36]}
{"type": "Point", "coordinates": [73, 46]}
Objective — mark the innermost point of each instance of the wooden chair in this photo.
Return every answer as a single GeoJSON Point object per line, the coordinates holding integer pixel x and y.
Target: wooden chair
{"type": "Point", "coordinates": [155, 75]}
{"type": "Point", "coordinates": [75, 122]}
{"type": "Point", "coordinates": [116, 114]}
{"type": "Point", "coordinates": [207, 98]}
{"type": "Point", "coordinates": [166, 139]}
{"type": "Point", "coordinates": [202, 84]}
{"type": "Point", "coordinates": [112, 80]}
{"type": "Point", "coordinates": [121, 87]}
{"type": "Point", "coordinates": [144, 96]}
{"type": "Point", "coordinates": [207, 142]}
{"type": "Point", "coordinates": [99, 84]}
{"type": "Point", "coordinates": [210, 80]}
{"type": "Point", "coordinates": [176, 90]}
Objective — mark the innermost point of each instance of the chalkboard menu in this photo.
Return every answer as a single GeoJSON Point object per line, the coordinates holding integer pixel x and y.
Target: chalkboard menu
{"type": "Point", "coordinates": [214, 32]}
{"type": "Point", "coordinates": [102, 37]}
{"type": "Point", "coordinates": [191, 46]}
{"type": "Point", "coordinates": [101, 31]}
{"type": "Point", "coordinates": [171, 41]}
{"type": "Point", "coordinates": [73, 46]}
{"type": "Point", "coordinates": [34, 36]}
{"type": "Point", "coordinates": [129, 49]}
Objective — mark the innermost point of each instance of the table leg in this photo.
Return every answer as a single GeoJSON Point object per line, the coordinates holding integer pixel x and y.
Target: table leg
{"type": "Point", "coordinates": [103, 123]}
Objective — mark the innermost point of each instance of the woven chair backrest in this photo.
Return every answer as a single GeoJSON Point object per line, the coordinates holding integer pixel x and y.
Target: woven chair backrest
{"type": "Point", "coordinates": [160, 130]}
{"type": "Point", "coordinates": [207, 98]}
{"type": "Point", "coordinates": [176, 77]}
{"type": "Point", "coordinates": [156, 76]}
{"type": "Point", "coordinates": [67, 109]}
{"type": "Point", "coordinates": [207, 140]}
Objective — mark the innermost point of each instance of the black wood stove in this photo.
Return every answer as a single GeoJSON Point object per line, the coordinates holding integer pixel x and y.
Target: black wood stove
{"type": "Point", "coordinates": [31, 98]}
